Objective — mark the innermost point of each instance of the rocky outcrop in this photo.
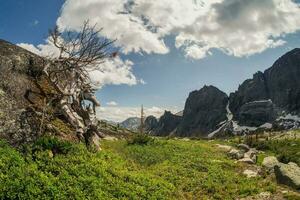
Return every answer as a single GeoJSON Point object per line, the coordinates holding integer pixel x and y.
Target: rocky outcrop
{"type": "Point", "coordinates": [269, 163]}
{"type": "Point", "coordinates": [256, 113]}
{"type": "Point", "coordinates": [150, 124]}
{"type": "Point", "coordinates": [204, 110]}
{"type": "Point", "coordinates": [250, 90]}
{"type": "Point", "coordinates": [263, 98]}
{"type": "Point", "coordinates": [36, 104]}
{"type": "Point", "coordinates": [283, 82]}
{"type": "Point", "coordinates": [244, 154]}
{"type": "Point", "coordinates": [167, 124]}
{"type": "Point", "coordinates": [288, 174]}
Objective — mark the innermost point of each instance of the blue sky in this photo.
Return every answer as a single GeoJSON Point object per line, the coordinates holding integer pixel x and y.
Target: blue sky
{"type": "Point", "coordinates": [169, 77]}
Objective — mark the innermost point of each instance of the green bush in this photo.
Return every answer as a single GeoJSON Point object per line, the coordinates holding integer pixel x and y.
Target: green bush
{"type": "Point", "coordinates": [286, 150]}
{"type": "Point", "coordinates": [140, 139]}
{"type": "Point", "coordinates": [54, 144]}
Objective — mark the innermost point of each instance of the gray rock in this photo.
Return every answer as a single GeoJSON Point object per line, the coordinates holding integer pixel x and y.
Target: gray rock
{"type": "Point", "coordinates": [257, 113]}
{"type": "Point", "coordinates": [204, 110]}
{"type": "Point", "coordinates": [236, 154]}
{"type": "Point", "coordinates": [151, 123]}
{"type": "Point", "coordinates": [247, 160]}
{"type": "Point", "coordinates": [283, 81]}
{"type": "Point", "coordinates": [244, 147]}
{"type": "Point", "coordinates": [280, 83]}
{"type": "Point", "coordinates": [288, 174]}
{"type": "Point", "coordinates": [250, 173]}
{"type": "Point", "coordinates": [252, 154]}
{"type": "Point", "coordinates": [224, 147]}
{"type": "Point", "coordinates": [270, 162]}
{"type": "Point", "coordinates": [167, 124]}
{"type": "Point", "coordinates": [250, 90]}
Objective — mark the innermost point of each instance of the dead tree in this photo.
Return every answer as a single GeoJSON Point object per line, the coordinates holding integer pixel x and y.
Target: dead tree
{"type": "Point", "coordinates": [79, 53]}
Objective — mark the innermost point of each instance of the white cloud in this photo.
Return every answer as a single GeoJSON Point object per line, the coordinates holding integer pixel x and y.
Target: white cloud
{"type": "Point", "coordinates": [119, 114]}
{"type": "Point", "coordinates": [114, 72]}
{"type": "Point", "coordinates": [112, 103]}
{"type": "Point", "coordinates": [237, 27]}
{"type": "Point", "coordinates": [129, 30]}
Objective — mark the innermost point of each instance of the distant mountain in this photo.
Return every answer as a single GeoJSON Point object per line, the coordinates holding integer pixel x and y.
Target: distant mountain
{"type": "Point", "coordinates": [271, 99]}
{"type": "Point", "coordinates": [132, 123]}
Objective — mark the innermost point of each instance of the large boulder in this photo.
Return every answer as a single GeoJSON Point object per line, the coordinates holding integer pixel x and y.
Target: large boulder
{"type": "Point", "coordinates": [270, 162]}
{"type": "Point", "coordinates": [204, 110]}
{"type": "Point", "coordinates": [288, 174]}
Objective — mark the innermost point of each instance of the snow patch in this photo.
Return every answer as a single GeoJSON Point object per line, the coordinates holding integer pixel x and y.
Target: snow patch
{"type": "Point", "coordinates": [266, 126]}
{"type": "Point", "coordinates": [261, 101]}
{"type": "Point", "coordinates": [290, 117]}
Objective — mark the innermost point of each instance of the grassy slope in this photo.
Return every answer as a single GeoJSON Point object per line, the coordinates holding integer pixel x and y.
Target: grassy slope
{"type": "Point", "coordinates": [164, 169]}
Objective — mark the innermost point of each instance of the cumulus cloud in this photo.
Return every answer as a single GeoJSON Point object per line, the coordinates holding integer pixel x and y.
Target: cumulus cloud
{"type": "Point", "coordinates": [119, 114]}
{"type": "Point", "coordinates": [113, 16]}
{"type": "Point", "coordinates": [237, 27]}
{"type": "Point", "coordinates": [111, 72]}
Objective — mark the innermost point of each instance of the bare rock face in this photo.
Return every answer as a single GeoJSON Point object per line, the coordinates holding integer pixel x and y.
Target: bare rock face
{"type": "Point", "coordinates": [151, 123]}
{"type": "Point", "coordinates": [263, 98]}
{"type": "Point", "coordinates": [257, 113]}
{"type": "Point", "coordinates": [283, 82]}
{"type": "Point", "coordinates": [26, 105]}
{"type": "Point", "coordinates": [204, 110]}
{"type": "Point", "coordinates": [250, 90]}
{"type": "Point", "coordinates": [167, 124]}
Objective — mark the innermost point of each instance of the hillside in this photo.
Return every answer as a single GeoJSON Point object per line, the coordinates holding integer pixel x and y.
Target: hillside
{"type": "Point", "coordinates": [161, 169]}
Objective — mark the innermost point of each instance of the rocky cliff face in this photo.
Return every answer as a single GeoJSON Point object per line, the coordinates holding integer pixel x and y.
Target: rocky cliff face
{"type": "Point", "coordinates": [270, 97]}
{"type": "Point", "coordinates": [263, 98]}
{"type": "Point", "coordinates": [23, 113]}
{"type": "Point", "coordinates": [204, 110]}
{"type": "Point", "coordinates": [250, 90]}
{"type": "Point", "coordinates": [151, 123]}
{"type": "Point", "coordinates": [167, 124]}
{"type": "Point", "coordinates": [283, 82]}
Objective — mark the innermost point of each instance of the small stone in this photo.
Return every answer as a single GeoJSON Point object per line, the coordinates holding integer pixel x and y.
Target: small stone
{"type": "Point", "coordinates": [270, 162]}
{"type": "Point", "coordinates": [224, 147]}
{"type": "Point", "coordinates": [264, 195]}
{"type": "Point", "coordinates": [236, 154]}
{"type": "Point", "coordinates": [250, 173]}
{"type": "Point", "coordinates": [246, 160]}
{"type": "Point", "coordinates": [243, 147]}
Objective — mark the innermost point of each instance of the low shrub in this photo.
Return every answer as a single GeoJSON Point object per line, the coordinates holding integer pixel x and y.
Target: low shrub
{"type": "Point", "coordinates": [54, 144]}
{"type": "Point", "coordinates": [140, 139]}
{"type": "Point", "coordinates": [286, 150]}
